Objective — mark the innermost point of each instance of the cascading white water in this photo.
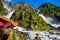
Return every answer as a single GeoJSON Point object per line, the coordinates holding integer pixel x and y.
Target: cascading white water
{"type": "Point", "coordinates": [42, 34]}
{"type": "Point", "coordinates": [9, 11]}
{"type": "Point", "coordinates": [10, 14]}
{"type": "Point", "coordinates": [51, 20]}
{"type": "Point", "coordinates": [5, 5]}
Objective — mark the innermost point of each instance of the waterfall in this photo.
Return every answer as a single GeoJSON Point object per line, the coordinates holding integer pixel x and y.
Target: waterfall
{"type": "Point", "coordinates": [51, 20]}
{"type": "Point", "coordinates": [42, 34]}
{"type": "Point", "coordinates": [10, 14]}
{"type": "Point", "coordinates": [5, 5]}
{"type": "Point", "coordinates": [9, 11]}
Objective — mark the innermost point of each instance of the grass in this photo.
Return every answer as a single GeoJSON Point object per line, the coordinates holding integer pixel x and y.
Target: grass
{"type": "Point", "coordinates": [14, 38]}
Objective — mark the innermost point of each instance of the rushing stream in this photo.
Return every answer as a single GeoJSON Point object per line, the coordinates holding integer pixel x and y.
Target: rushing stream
{"type": "Point", "coordinates": [51, 20]}
{"type": "Point", "coordinates": [42, 34]}
{"type": "Point", "coordinates": [9, 11]}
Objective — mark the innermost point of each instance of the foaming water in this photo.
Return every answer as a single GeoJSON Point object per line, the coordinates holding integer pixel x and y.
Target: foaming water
{"type": "Point", "coordinates": [51, 20]}
{"type": "Point", "coordinates": [44, 35]}
{"type": "Point", "coordinates": [9, 11]}
{"type": "Point", "coordinates": [9, 14]}
{"type": "Point", "coordinates": [20, 28]}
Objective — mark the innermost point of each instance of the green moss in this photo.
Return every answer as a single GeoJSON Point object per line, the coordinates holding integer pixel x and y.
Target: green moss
{"type": "Point", "coordinates": [14, 38]}
{"type": "Point", "coordinates": [29, 18]}
{"type": "Point", "coordinates": [48, 9]}
{"type": "Point", "coordinates": [2, 9]}
{"type": "Point", "coordinates": [6, 31]}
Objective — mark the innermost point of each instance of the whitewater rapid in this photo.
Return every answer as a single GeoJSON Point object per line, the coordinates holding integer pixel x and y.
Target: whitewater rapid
{"type": "Point", "coordinates": [42, 34]}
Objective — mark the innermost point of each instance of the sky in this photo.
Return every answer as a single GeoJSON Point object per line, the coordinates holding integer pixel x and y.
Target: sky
{"type": "Point", "coordinates": [37, 3]}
